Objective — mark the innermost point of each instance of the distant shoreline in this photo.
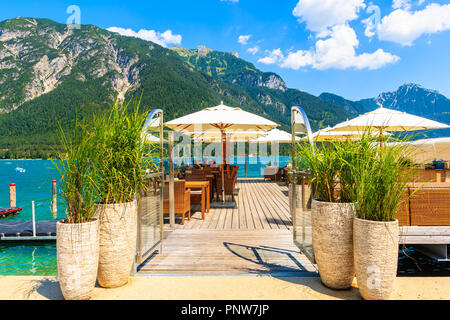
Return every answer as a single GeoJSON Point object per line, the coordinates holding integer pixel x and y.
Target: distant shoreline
{"type": "Point", "coordinates": [24, 159]}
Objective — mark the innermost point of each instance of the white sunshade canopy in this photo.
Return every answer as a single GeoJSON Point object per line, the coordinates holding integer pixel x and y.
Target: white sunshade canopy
{"type": "Point", "coordinates": [232, 136]}
{"type": "Point", "coordinates": [384, 119]}
{"type": "Point", "coordinates": [221, 118]}
{"type": "Point", "coordinates": [428, 150]}
{"type": "Point", "coordinates": [328, 135]}
{"type": "Point", "coordinates": [277, 135]}
{"type": "Point", "coordinates": [149, 138]}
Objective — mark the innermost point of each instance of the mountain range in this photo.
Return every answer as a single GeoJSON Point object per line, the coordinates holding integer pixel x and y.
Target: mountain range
{"type": "Point", "coordinates": [50, 74]}
{"type": "Point", "coordinates": [411, 98]}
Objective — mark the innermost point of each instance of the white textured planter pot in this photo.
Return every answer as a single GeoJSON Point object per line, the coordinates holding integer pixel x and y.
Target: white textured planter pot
{"type": "Point", "coordinates": [332, 235]}
{"type": "Point", "coordinates": [376, 257]}
{"type": "Point", "coordinates": [118, 232]}
{"type": "Point", "coordinates": [77, 248]}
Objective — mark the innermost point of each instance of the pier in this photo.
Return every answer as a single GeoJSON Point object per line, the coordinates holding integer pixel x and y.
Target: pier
{"type": "Point", "coordinates": [28, 231]}
{"type": "Point", "coordinates": [255, 238]}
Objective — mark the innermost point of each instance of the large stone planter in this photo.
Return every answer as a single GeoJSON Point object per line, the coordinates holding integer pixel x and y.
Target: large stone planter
{"type": "Point", "coordinates": [332, 237]}
{"type": "Point", "coordinates": [77, 248]}
{"type": "Point", "coordinates": [118, 232]}
{"type": "Point", "coordinates": [376, 257]}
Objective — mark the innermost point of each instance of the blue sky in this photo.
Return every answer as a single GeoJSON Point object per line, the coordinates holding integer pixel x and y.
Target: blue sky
{"type": "Point", "coordinates": [354, 48]}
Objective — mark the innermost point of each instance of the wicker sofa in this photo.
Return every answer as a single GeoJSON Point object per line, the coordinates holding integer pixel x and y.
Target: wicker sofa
{"type": "Point", "coordinates": [272, 173]}
{"type": "Point", "coordinates": [429, 206]}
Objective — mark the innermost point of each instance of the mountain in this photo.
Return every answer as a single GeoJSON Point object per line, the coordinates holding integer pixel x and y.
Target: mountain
{"type": "Point", "coordinates": [228, 67]}
{"type": "Point", "coordinates": [414, 99]}
{"type": "Point", "coordinates": [267, 88]}
{"type": "Point", "coordinates": [411, 98]}
{"type": "Point", "coordinates": [351, 107]}
{"type": "Point", "coordinates": [50, 74]}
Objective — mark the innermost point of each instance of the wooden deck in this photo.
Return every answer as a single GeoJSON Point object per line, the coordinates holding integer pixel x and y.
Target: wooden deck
{"type": "Point", "coordinates": [261, 206]}
{"type": "Point", "coordinates": [254, 238]}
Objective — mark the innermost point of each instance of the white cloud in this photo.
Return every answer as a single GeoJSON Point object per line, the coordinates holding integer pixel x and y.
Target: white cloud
{"type": "Point", "coordinates": [299, 59]}
{"type": "Point", "coordinates": [229, 1]}
{"type": "Point", "coordinates": [274, 56]}
{"type": "Point", "coordinates": [163, 39]}
{"type": "Point", "coordinates": [244, 39]}
{"type": "Point", "coordinates": [401, 4]}
{"type": "Point", "coordinates": [336, 52]}
{"type": "Point", "coordinates": [404, 27]}
{"type": "Point", "coordinates": [253, 50]}
{"type": "Point", "coordinates": [320, 16]}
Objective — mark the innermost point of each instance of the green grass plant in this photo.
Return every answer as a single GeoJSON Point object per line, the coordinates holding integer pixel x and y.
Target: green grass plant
{"type": "Point", "coordinates": [120, 159]}
{"type": "Point", "coordinates": [78, 187]}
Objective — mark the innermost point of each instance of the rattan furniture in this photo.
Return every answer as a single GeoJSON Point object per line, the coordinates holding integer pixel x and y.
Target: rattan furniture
{"type": "Point", "coordinates": [182, 200]}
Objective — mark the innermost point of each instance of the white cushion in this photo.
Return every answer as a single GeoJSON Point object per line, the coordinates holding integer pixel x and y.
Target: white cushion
{"type": "Point", "coordinates": [270, 171]}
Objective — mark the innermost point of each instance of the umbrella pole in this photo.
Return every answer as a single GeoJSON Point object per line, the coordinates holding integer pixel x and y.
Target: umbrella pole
{"type": "Point", "coordinates": [224, 141]}
{"type": "Point", "coordinates": [276, 153]}
{"type": "Point", "coordinates": [381, 138]}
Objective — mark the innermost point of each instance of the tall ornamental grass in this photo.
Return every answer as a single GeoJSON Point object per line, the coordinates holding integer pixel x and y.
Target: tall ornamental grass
{"type": "Point", "coordinates": [120, 160]}
{"type": "Point", "coordinates": [370, 174]}
{"type": "Point", "coordinates": [381, 173]}
{"type": "Point", "coordinates": [78, 187]}
{"type": "Point", "coordinates": [330, 167]}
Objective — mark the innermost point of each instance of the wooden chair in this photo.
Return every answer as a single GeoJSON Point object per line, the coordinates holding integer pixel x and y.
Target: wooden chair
{"type": "Point", "coordinates": [182, 200]}
{"type": "Point", "coordinates": [230, 184]}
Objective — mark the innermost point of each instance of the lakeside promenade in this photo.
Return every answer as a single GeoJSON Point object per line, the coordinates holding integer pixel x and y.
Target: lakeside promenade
{"type": "Point", "coordinates": [222, 288]}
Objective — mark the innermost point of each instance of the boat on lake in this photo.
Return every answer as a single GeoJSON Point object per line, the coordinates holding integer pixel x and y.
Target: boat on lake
{"type": "Point", "coordinates": [9, 212]}
{"type": "Point", "coordinates": [20, 170]}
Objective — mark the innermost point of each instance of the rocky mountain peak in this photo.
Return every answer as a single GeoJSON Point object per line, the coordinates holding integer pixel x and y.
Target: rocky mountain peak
{"type": "Point", "coordinates": [38, 55]}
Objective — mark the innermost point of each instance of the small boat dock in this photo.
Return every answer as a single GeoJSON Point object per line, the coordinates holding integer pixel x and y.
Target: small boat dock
{"type": "Point", "coordinates": [27, 231]}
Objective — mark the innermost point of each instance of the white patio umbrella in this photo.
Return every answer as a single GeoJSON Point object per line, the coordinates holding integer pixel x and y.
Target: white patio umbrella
{"type": "Point", "coordinates": [231, 136]}
{"type": "Point", "coordinates": [276, 137]}
{"type": "Point", "coordinates": [384, 119]}
{"type": "Point", "coordinates": [151, 138]}
{"type": "Point", "coordinates": [235, 136]}
{"type": "Point", "coordinates": [428, 150]}
{"type": "Point", "coordinates": [389, 120]}
{"type": "Point", "coordinates": [328, 135]}
{"type": "Point", "coordinates": [221, 119]}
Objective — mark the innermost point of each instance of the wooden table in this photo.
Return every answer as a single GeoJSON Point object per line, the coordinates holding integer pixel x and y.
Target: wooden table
{"type": "Point", "coordinates": [204, 187]}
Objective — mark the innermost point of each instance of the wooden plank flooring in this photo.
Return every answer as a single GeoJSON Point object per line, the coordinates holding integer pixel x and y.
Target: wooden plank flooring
{"type": "Point", "coordinates": [219, 252]}
{"type": "Point", "coordinates": [254, 238]}
{"type": "Point", "coordinates": [261, 206]}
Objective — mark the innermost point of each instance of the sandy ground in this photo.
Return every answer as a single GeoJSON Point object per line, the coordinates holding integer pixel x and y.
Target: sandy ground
{"type": "Point", "coordinates": [223, 288]}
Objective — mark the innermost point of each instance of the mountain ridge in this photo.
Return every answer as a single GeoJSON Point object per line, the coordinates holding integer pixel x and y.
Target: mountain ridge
{"type": "Point", "coordinates": [410, 98]}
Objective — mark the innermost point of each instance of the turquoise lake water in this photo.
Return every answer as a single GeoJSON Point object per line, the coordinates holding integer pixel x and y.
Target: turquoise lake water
{"type": "Point", "coordinates": [40, 258]}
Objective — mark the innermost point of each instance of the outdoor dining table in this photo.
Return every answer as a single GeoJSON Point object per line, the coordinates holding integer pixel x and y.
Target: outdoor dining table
{"type": "Point", "coordinates": [204, 187]}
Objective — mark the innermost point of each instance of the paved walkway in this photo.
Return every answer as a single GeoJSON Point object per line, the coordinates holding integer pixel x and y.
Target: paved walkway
{"type": "Point", "coordinates": [221, 288]}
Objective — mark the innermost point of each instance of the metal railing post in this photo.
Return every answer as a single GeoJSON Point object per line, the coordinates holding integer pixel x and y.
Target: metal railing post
{"type": "Point", "coordinates": [171, 181]}
{"type": "Point", "coordinates": [33, 212]}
